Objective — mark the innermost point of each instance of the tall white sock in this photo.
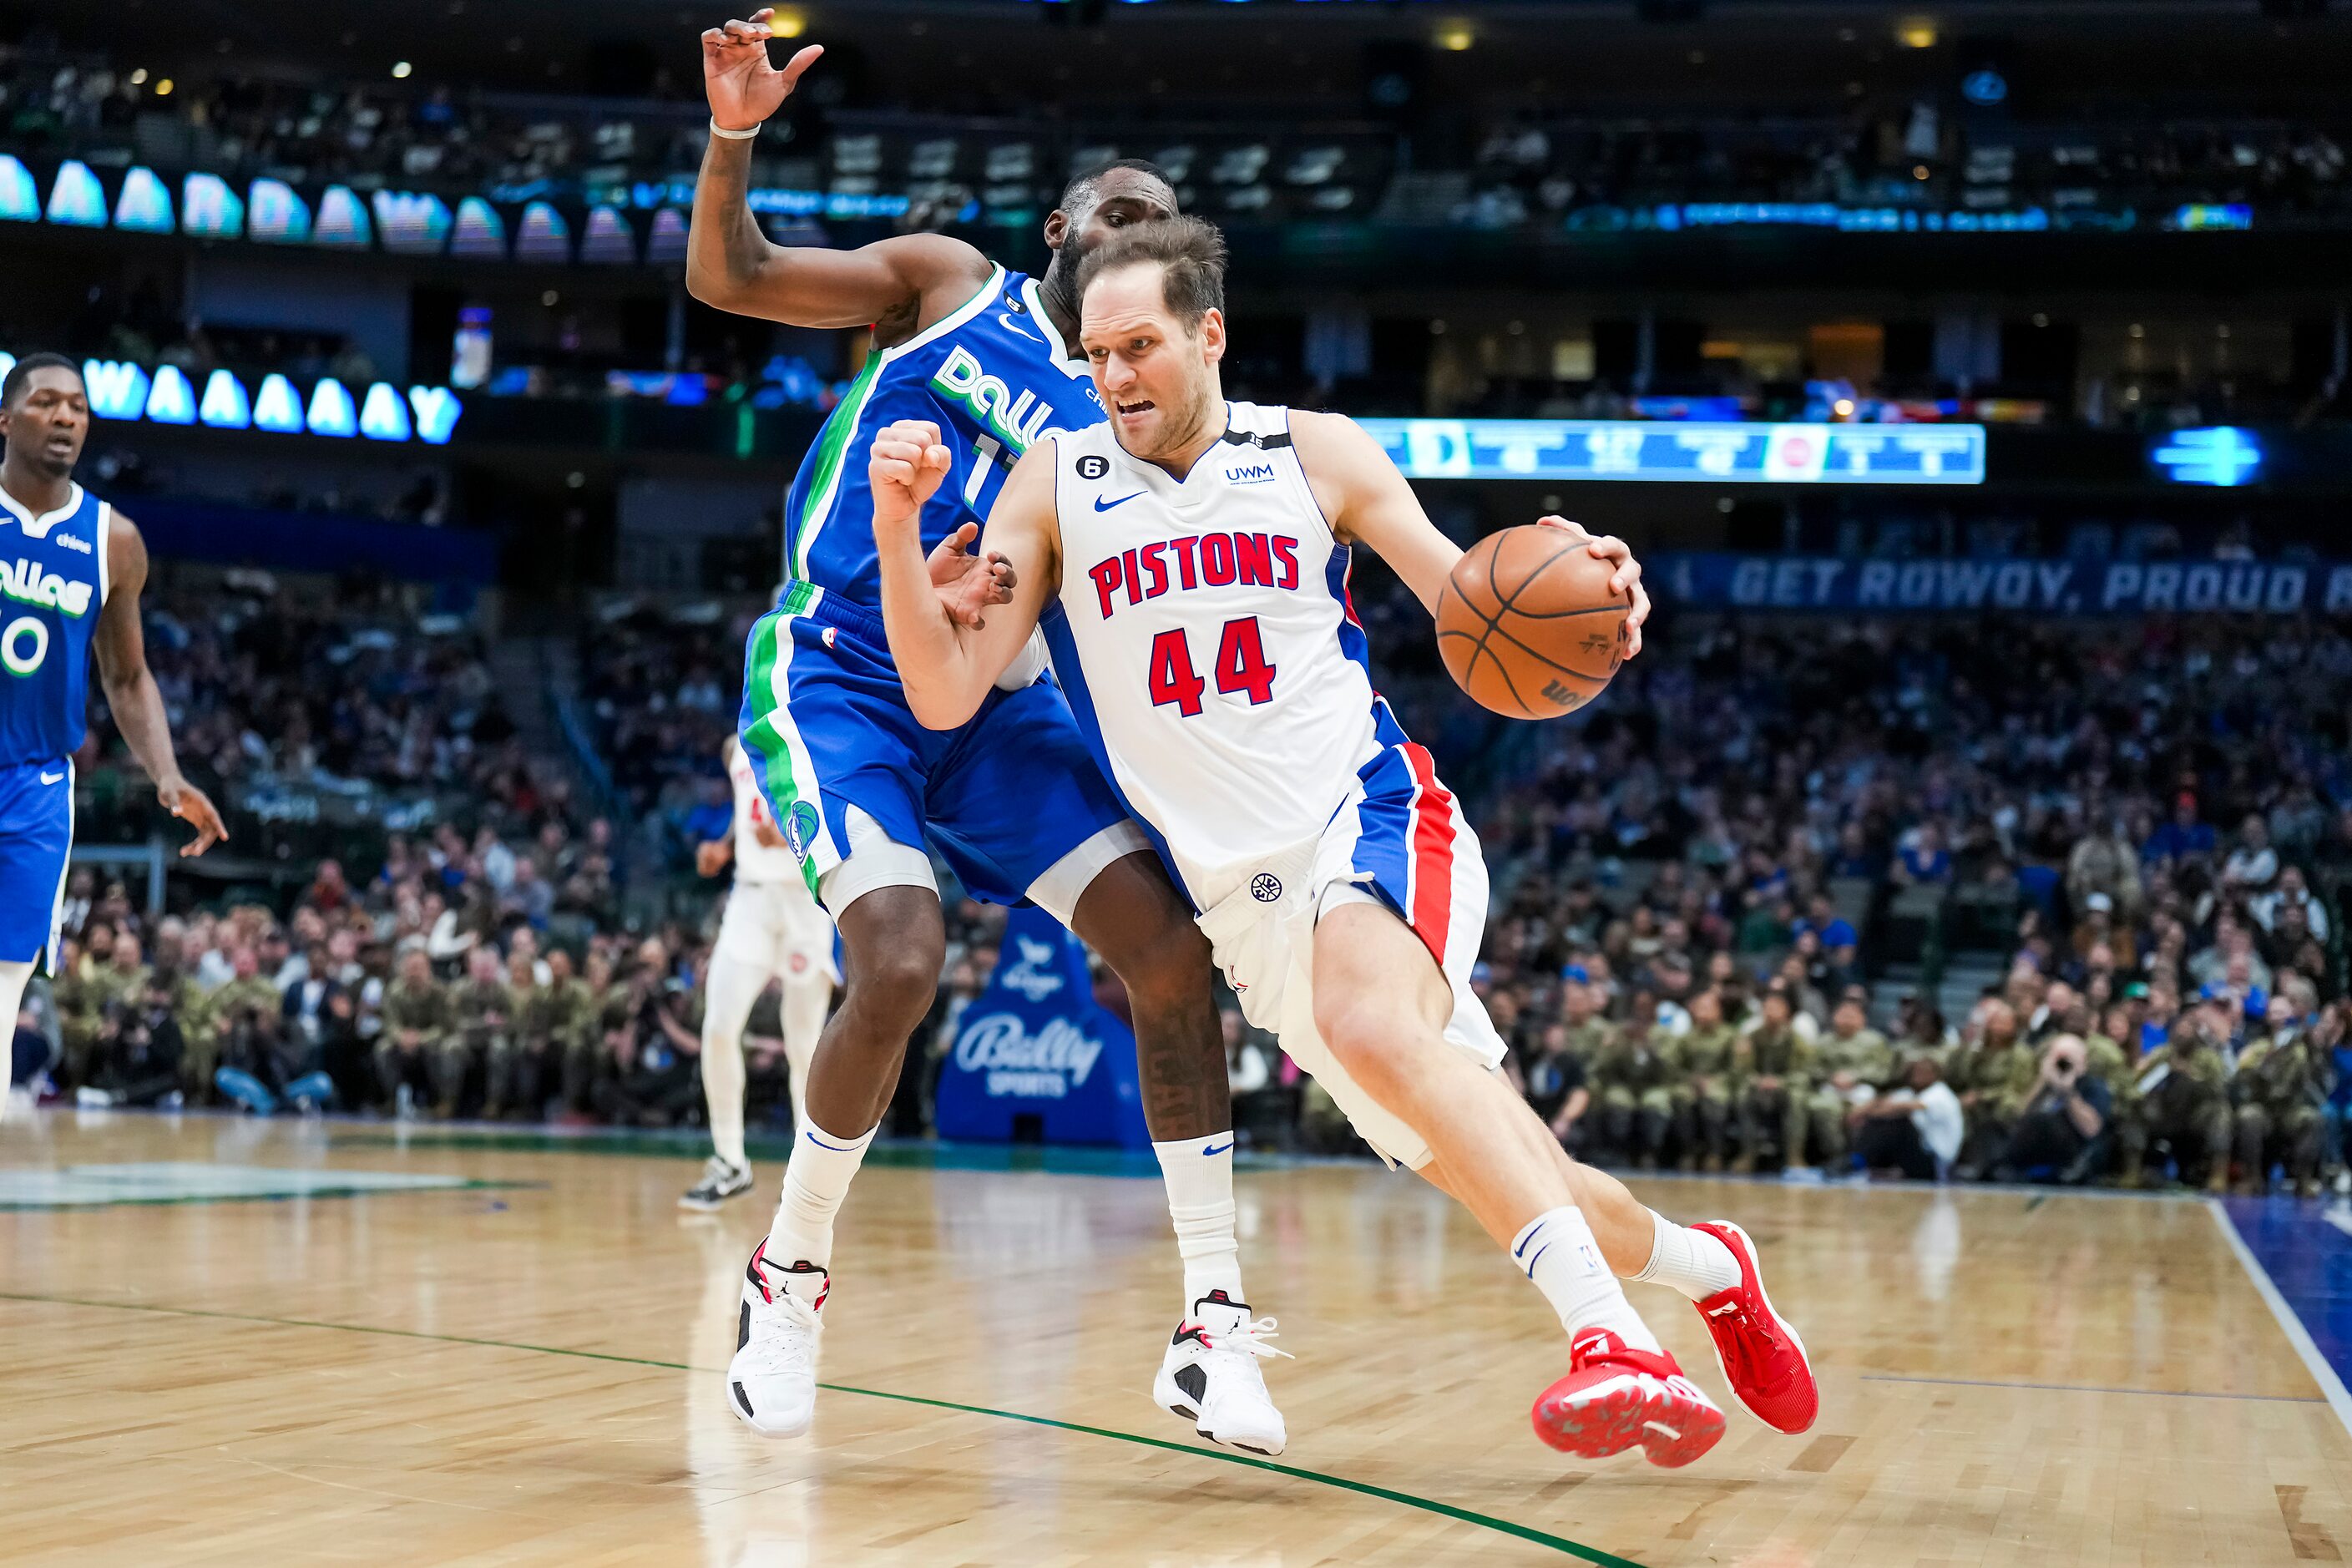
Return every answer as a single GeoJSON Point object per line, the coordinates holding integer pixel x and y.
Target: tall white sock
{"type": "Point", "coordinates": [14, 978]}
{"type": "Point", "coordinates": [816, 1181]}
{"type": "Point", "coordinates": [1557, 1251]}
{"type": "Point", "coordinates": [732, 987]}
{"type": "Point", "coordinates": [1693, 1262]}
{"type": "Point", "coordinates": [805, 1010]}
{"type": "Point", "coordinates": [1200, 1176]}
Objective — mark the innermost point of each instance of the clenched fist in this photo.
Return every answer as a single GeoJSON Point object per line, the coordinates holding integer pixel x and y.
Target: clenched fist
{"type": "Point", "coordinates": [908, 465]}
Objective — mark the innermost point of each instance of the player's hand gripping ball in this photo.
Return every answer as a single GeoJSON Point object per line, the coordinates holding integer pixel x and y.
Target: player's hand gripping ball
{"type": "Point", "coordinates": [1533, 622]}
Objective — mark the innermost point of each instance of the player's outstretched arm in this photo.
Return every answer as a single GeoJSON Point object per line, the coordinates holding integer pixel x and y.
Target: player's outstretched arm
{"type": "Point", "coordinates": [131, 691]}
{"type": "Point", "coordinates": [949, 656]}
{"type": "Point", "coordinates": [898, 283]}
{"type": "Point", "coordinates": [1368, 501]}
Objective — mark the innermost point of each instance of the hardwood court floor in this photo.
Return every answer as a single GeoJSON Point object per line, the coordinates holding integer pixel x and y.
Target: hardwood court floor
{"type": "Point", "coordinates": [529, 1374]}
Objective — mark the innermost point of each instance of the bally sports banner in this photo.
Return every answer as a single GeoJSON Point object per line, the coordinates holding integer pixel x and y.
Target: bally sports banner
{"type": "Point", "coordinates": [1035, 1058]}
{"type": "Point", "coordinates": [1724, 580]}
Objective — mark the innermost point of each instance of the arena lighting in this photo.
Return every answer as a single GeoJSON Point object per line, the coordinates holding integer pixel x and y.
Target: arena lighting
{"type": "Point", "coordinates": [1634, 451]}
{"type": "Point", "coordinates": [122, 391]}
{"type": "Point", "coordinates": [2220, 455]}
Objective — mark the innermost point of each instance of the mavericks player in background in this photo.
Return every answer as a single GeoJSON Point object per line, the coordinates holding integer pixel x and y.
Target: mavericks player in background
{"type": "Point", "coordinates": [773, 930]}
{"type": "Point", "coordinates": [71, 572]}
{"type": "Point", "coordinates": [1012, 800]}
{"type": "Point", "coordinates": [1189, 562]}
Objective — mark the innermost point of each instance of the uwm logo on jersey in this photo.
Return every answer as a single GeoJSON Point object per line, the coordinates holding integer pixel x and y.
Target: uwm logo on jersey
{"type": "Point", "coordinates": [1195, 560]}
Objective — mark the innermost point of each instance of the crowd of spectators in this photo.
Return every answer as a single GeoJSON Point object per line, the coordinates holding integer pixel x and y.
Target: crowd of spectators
{"type": "Point", "coordinates": [1535, 167]}
{"type": "Point", "coordinates": [2003, 899]}
{"type": "Point", "coordinates": [1531, 166]}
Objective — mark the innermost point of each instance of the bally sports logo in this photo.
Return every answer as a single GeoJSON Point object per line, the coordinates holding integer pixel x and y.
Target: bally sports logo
{"type": "Point", "coordinates": [1046, 1065]}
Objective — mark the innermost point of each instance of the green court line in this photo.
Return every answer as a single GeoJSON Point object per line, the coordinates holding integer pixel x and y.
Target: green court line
{"type": "Point", "coordinates": [1559, 1544]}
{"type": "Point", "coordinates": [79, 1206]}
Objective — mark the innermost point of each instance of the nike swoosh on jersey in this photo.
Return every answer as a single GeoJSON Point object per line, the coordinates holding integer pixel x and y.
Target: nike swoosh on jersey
{"type": "Point", "coordinates": [1102, 505]}
{"type": "Point", "coordinates": [1010, 325]}
{"type": "Point", "coordinates": [53, 778]}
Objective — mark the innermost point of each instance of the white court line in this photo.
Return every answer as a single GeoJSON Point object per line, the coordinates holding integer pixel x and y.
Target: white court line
{"type": "Point", "coordinates": [2339, 1216]}
{"type": "Point", "coordinates": [2322, 1373]}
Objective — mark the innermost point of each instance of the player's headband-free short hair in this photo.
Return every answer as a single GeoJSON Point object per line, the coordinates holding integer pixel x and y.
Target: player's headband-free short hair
{"type": "Point", "coordinates": [1083, 189]}
{"type": "Point", "coordinates": [20, 374]}
{"type": "Point", "coordinates": [1189, 253]}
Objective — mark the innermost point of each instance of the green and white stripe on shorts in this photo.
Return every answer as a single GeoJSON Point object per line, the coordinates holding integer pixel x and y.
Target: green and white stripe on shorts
{"type": "Point", "coordinates": [769, 732]}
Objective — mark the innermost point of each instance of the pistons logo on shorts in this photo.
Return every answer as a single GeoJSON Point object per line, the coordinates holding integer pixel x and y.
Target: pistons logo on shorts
{"type": "Point", "coordinates": [1266, 887]}
{"type": "Point", "coordinates": [800, 830]}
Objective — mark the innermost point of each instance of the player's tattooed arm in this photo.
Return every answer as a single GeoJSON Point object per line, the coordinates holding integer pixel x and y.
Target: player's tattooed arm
{"type": "Point", "coordinates": [898, 285]}
{"type": "Point", "coordinates": [131, 694]}
{"type": "Point", "coordinates": [948, 654]}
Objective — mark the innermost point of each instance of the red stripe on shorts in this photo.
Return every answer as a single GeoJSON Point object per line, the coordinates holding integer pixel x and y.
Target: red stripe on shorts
{"type": "Point", "coordinates": [1433, 852]}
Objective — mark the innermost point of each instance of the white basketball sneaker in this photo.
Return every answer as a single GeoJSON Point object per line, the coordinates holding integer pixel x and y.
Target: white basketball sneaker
{"type": "Point", "coordinates": [1210, 1376]}
{"type": "Point", "coordinates": [721, 1180]}
{"type": "Point", "coordinates": [771, 1381]}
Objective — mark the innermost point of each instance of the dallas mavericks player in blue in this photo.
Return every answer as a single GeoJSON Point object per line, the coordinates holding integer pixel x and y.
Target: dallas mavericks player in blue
{"type": "Point", "coordinates": [71, 572]}
{"type": "Point", "coordinates": [1012, 800]}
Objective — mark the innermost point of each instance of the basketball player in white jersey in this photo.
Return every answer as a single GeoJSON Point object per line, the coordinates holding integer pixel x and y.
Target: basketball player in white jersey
{"type": "Point", "coordinates": [1188, 562]}
{"type": "Point", "coordinates": [773, 930]}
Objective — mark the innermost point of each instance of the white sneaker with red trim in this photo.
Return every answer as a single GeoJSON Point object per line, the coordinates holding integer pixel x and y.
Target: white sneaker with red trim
{"type": "Point", "coordinates": [1210, 1376]}
{"type": "Point", "coordinates": [771, 1381]}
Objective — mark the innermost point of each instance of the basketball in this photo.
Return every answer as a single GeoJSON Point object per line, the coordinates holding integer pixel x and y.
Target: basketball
{"type": "Point", "coordinates": [1528, 624]}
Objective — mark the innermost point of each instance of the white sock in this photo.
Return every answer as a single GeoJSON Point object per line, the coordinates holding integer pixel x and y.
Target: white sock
{"type": "Point", "coordinates": [1199, 1174]}
{"type": "Point", "coordinates": [1693, 1262]}
{"type": "Point", "coordinates": [1557, 1251]}
{"type": "Point", "coordinates": [804, 1009]}
{"type": "Point", "coordinates": [816, 1179]}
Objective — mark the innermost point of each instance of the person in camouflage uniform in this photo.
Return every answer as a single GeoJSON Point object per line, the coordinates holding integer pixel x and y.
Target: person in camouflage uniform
{"type": "Point", "coordinates": [1852, 1056]}
{"type": "Point", "coordinates": [2282, 1080]}
{"type": "Point", "coordinates": [417, 1025]}
{"type": "Point", "coordinates": [245, 1025]}
{"type": "Point", "coordinates": [1635, 1078]}
{"type": "Point", "coordinates": [1993, 1075]}
{"type": "Point", "coordinates": [2187, 1107]}
{"type": "Point", "coordinates": [1705, 1085]}
{"type": "Point", "coordinates": [113, 981]}
{"type": "Point", "coordinates": [1775, 1066]}
{"type": "Point", "coordinates": [73, 992]}
{"type": "Point", "coordinates": [548, 1019]}
{"type": "Point", "coordinates": [607, 1007]}
{"type": "Point", "coordinates": [483, 1041]}
{"type": "Point", "coordinates": [2113, 1056]}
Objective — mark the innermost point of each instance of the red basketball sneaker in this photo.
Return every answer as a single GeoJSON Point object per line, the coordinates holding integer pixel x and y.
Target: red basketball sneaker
{"type": "Point", "coordinates": [1615, 1396]}
{"type": "Point", "coordinates": [1760, 1354]}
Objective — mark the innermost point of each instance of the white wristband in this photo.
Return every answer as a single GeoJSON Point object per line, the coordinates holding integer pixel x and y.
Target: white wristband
{"type": "Point", "coordinates": [718, 130]}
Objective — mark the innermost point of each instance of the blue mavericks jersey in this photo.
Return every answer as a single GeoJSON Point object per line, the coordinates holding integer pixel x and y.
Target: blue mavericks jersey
{"type": "Point", "coordinates": [995, 376]}
{"type": "Point", "coordinates": [52, 585]}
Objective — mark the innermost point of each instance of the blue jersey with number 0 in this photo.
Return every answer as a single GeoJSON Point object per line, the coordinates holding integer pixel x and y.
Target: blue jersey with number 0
{"type": "Point", "coordinates": [994, 375]}
{"type": "Point", "coordinates": [52, 585]}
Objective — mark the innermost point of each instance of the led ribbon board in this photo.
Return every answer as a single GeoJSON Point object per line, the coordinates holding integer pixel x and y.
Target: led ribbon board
{"type": "Point", "coordinates": [121, 391]}
{"type": "Point", "coordinates": [1626, 450]}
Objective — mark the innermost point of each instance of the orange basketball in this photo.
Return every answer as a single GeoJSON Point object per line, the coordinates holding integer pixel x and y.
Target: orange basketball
{"type": "Point", "coordinates": [1528, 625]}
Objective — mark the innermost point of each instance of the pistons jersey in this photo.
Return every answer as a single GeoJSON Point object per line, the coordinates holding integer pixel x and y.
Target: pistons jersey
{"type": "Point", "coordinates": [993, 374]}
{"type": "Point", "coordinates": [1205, 638]}
{"type": "Point", "coordinates": [52, 586]}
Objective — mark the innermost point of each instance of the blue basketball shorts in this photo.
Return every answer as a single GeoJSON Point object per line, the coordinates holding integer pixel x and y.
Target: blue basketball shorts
{"type": "Point", "coordinates": [36, 840]}
{"type": "Point", "coordinates": [1003, 800]}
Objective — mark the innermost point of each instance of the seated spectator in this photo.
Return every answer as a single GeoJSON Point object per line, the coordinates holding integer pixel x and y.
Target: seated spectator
{"type": "Point", "coordinates": [1915, 1128]}
{"type": "Point", "coordinates": [2058, 1134]}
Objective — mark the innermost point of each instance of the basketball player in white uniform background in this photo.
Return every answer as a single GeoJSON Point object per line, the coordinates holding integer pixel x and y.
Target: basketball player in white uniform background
{"type": "Point", "coordinates": [774, 930]}
{"type": "Point", "coordinates": [1188, 563]}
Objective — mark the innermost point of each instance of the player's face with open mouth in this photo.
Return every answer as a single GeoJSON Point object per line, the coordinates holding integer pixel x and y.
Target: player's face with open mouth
{"type": "Point", "coordinates": [1151, 372]}
{"type": "Point", "coordinates": [50, 419]}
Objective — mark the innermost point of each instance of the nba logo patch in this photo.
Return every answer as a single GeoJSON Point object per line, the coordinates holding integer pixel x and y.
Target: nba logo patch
{"type": "Point", "coordinates": [800, 830]}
